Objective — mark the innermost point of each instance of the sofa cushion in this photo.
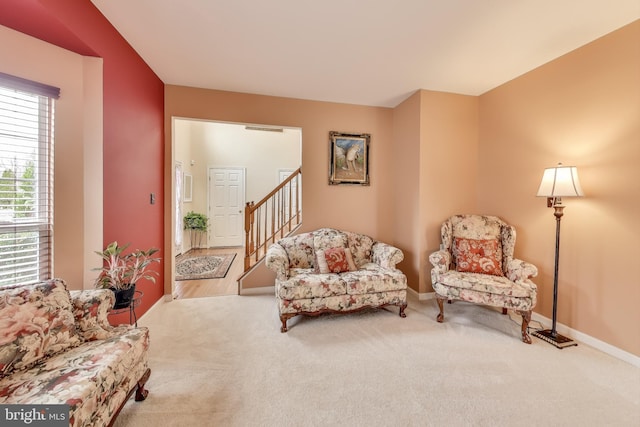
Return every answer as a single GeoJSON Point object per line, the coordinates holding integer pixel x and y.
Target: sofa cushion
{"type": "Point", "coordinates": [36, 321]}
{"type": "Point", "coordinates": [327, 238]}
{"type": "Point", "coordinates": [486, 283]}
{"type": "Point", "coordinates": [84, 377]}
{"type": "Point", "coordinates": [479, 297]}
{"type": "Point", "coordinates": [478, 256]}
{"type": "Point", "coordinates": [299, 249]}
{"type": "Point", "coordinates": [360, 246]}
{"type": "Point", "coordinates": [372, 278]}
{"type": "Point", "coordinates": [305, 283]}
{"type": "Point", "coordinates": [334, 260]}
{"type": "Point", "coordinates": [91, 307]}
{"type": "Point", "coordinates": [476, 226]}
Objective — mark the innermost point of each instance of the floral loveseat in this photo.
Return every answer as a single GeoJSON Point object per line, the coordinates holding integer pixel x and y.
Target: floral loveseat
{"type": "Point", "coordinates": [57, 347]}
{"type": "Point", "coordinates": [328, 270]}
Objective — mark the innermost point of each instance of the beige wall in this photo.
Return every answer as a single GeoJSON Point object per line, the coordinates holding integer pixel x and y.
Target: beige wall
{"type": "Point", "coordinates": [407, 185]}
{"type": "Point", "coordinates": [582, 109]}
{"type": "Point", "coordinates": [77, 145]}
{"type": "Point", "coordinates": [449, 167]}
{"type": "Point", "coordinates": [261, 154]}
{"type": "Point", "coordinates": [435, 161]}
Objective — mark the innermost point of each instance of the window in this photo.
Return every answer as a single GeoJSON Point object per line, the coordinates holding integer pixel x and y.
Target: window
{"type": "Point", "coordinates": [26, 180]}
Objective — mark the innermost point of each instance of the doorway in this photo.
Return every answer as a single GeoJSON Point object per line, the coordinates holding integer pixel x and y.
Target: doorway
{"type": "Point", "coordinates": [227, 164]}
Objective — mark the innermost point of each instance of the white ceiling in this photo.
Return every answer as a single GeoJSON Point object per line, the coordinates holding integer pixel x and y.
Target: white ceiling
{"type": "Point", "coordinates": [368, 52]}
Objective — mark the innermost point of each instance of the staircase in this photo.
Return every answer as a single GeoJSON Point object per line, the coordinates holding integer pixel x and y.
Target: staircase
{"type": "Point", "coordinates": [275, 216]}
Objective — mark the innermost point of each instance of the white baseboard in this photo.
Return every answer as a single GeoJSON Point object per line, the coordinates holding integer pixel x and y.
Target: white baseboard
{"type": "Point", "coordinates": [589, 340]}
{"type": "Point", "coordinates": [422, 296]}
{"type": "Point", "coordinates": [564, 330]}
{"type": "Point", "coordinates": [263, 290]}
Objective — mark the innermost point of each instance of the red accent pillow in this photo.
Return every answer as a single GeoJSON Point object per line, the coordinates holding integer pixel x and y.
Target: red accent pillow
{"type": "Point", "coordinates": [478, 256]}
{"type": "Point", "coordinates": [335, 260]}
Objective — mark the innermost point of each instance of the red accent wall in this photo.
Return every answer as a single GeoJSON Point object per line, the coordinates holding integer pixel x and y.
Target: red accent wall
{"type": "Point", "coordinates": [133, 120]}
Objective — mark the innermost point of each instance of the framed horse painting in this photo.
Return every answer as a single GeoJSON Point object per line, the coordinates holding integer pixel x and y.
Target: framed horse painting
{"type": "Point", "coordinates": [349, 158]}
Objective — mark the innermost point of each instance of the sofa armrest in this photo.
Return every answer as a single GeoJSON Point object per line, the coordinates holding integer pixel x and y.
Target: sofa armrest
{"type": "Point", "coordinates": [90, 309]}
{"type": "Point", "coordinates": [441, 260]}
{"type": "Point", "coordinates": [385, 255]}
{"type": "Point", "coordinates": [277, 260]}
{"type": "Point", "coordinates": [519, 271]}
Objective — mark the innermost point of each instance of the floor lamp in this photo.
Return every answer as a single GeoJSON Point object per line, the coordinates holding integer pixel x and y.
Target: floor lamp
{"type": "Point", "coordinates": [557, 182]}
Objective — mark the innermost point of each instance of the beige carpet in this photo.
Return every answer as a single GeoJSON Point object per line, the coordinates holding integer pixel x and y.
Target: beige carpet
{"type": "Point", "coordinates": [222, 361]}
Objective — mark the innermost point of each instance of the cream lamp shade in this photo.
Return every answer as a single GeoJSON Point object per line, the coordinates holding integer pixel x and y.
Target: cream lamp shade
{"type": "Point", "coordinates": [560, 181]}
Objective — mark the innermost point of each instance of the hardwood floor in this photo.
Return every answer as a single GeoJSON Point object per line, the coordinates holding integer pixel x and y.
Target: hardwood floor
{"type": "Point", "coordinates": [213, 287]}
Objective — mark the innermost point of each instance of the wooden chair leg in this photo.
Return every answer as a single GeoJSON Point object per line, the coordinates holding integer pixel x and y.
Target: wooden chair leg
{"type": "Point", "coordinates": [402, 313]}
{"type": "Point", "coordinates": [440, 317]}
{"type": "Point", "coordinates": [283, 320]}
{"type": "Point", "coordinates": [141, 392]}
{"type": "Point", "coordinates": [526, 318]}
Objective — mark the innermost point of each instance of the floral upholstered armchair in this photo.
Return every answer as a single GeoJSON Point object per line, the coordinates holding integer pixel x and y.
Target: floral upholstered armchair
{"type": "Point", "coordinates": [475, 264]}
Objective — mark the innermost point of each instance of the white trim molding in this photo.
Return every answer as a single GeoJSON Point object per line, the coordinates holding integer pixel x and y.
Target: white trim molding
{"type": "Point", "coordinates": [422, 296]}
{"type": "Point", "coordinates": [590, 341]}
{"type": "Point", "coordinates": [262, 290]}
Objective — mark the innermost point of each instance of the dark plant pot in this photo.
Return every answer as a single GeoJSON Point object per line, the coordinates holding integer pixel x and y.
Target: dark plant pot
{"type": "Point", "coordinates": [124, 297]}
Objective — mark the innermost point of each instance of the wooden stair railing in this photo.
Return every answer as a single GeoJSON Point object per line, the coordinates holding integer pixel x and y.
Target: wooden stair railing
{"type": "Point", "coordinates": [272, 218]}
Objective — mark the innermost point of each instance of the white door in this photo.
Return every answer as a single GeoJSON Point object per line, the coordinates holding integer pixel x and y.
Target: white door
{"type": "Point", "coordinates": [226, 206]}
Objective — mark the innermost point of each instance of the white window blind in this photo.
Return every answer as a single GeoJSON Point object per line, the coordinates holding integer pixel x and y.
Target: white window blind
{"type": "Point", "coordinates": [26, 180]}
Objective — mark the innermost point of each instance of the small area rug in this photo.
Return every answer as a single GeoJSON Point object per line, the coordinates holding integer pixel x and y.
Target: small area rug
{"type": "Point", "coordinates": [193, 266]}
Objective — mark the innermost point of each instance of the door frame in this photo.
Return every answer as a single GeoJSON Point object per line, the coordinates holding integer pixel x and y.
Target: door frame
{"type": "Point", "coordinates": [169, 191]}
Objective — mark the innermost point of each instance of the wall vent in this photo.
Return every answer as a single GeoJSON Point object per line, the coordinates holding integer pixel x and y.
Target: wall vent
{"type": "Point", "coordinates": [264, 128]}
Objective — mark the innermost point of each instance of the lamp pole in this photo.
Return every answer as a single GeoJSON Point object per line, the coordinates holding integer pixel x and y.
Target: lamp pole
{"type": "Point", "coordinates": [552, 336]}
{"type": "Point", "coordinates": [558, 212]}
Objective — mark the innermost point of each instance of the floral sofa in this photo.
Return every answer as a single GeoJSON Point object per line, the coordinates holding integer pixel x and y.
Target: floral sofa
{"type": "Point", "coordinates": [329, 270]}
{"type": "Point", "coordinates": [57, 347]}
{"type": "Point", "coordinates": [475, 263]}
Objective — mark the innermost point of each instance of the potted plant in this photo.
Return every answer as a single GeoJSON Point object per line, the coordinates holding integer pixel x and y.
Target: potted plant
{"type": "Point", "coordinates": [198, 224]}
{"type": "Point", "coordinates": [121, 271]}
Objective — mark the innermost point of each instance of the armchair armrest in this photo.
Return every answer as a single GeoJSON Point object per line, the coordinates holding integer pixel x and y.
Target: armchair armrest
{"type": "Point", "coordinates": [385, 255]}
{"type": "Point", "coordinates": [441, 260]}
{"type": "Point", "coordinates": [277, 260]}
{"type": "Point", "coordinates": [90, 309]}
{"type": "Point", "coordinates": [519, 271]}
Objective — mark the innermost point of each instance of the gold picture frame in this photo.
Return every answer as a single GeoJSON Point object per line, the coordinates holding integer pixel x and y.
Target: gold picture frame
{"type": "Point", "coordinates": [349, 158]}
